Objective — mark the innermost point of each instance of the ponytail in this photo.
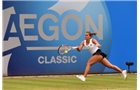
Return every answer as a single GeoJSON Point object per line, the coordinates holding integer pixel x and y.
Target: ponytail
{"type": "Point", "coordinates": [91, 34]}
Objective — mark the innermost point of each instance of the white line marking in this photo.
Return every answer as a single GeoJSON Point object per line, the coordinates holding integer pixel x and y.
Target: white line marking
{"type": "Point", "coordinates": [45, 48]}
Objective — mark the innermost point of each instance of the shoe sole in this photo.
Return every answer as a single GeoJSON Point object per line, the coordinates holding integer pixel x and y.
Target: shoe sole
{"type": "Point", "coordinates": [79, 78]}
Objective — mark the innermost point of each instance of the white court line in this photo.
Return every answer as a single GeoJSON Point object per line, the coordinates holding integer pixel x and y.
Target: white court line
{"type": "Point", "coordinates": [45, 48]}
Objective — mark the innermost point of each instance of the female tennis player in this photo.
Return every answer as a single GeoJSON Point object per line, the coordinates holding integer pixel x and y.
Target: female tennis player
{"type": "Point", "coordinates": [97, 56]}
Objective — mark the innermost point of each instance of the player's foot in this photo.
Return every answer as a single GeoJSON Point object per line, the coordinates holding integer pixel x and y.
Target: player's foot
{"type": "Point", "coordinates": [81, 77]}
{"type": "Point", "coordinates": [124, 73]}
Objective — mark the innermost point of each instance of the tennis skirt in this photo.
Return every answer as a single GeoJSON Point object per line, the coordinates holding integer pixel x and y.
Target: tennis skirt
{"type": "Point", "coordinates": [99, 52]}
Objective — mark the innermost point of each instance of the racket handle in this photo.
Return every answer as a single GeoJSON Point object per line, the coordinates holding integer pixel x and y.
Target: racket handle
{"type": "Point", "coordinates": [73, 47]}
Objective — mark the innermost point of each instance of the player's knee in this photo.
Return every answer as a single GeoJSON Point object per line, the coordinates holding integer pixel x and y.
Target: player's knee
{"type": "Point", "coordinates": [89, 64]}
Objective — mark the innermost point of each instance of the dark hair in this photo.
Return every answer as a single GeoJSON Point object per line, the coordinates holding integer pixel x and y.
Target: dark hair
{"type": "Point", "coordinates": [90, 34]}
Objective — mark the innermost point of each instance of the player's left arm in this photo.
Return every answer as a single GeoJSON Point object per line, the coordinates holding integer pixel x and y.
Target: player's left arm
{"type": "Point", "coordinates": [96, 43]}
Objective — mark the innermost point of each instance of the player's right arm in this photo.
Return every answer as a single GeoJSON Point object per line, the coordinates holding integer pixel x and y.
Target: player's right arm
{"type": "Point", "coordinates": [79, 48]}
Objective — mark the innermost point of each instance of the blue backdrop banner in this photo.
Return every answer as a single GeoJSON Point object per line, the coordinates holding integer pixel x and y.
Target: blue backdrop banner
{"type": "Point", "coordinates": [33, 31]}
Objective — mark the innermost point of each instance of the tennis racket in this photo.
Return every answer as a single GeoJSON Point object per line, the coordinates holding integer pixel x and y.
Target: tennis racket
{"type": "Point", "coordinates": [64, 49]}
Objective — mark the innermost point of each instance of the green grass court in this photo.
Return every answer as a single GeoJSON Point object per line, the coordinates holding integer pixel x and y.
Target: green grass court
{"type": "Point", "coordinates": [70, 82]}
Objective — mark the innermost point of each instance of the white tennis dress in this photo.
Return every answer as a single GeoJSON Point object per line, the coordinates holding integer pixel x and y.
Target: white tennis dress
{"type": "Point", "coordinates": [91, 46]}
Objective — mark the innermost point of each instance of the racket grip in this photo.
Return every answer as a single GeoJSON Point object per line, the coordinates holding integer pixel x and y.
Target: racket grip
{"type": "Point", "coordinates": [73, 47]}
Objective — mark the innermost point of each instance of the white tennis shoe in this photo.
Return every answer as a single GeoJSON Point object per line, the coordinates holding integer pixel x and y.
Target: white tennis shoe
{"type": "Point", "coordinates": [81, 77]}
{"type": "Point", "coordinates": [124, 73]}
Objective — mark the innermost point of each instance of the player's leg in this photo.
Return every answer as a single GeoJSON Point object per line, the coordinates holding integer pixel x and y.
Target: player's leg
{"type": "Point", "coordinates": [105, 62]}
{"type": "Point", "coordinates": [94, 59]}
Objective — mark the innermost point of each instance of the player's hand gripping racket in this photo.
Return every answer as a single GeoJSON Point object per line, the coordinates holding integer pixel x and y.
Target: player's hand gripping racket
{"type": "Point", "coordinates": [64, 49]}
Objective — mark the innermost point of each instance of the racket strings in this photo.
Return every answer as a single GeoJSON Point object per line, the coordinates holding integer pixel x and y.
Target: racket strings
{"type": "Point", "coordinates": [62, 49]}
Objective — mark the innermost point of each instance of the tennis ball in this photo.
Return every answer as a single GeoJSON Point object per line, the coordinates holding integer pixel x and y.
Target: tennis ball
{"type": "Point", "coordinates": [66, 51]}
